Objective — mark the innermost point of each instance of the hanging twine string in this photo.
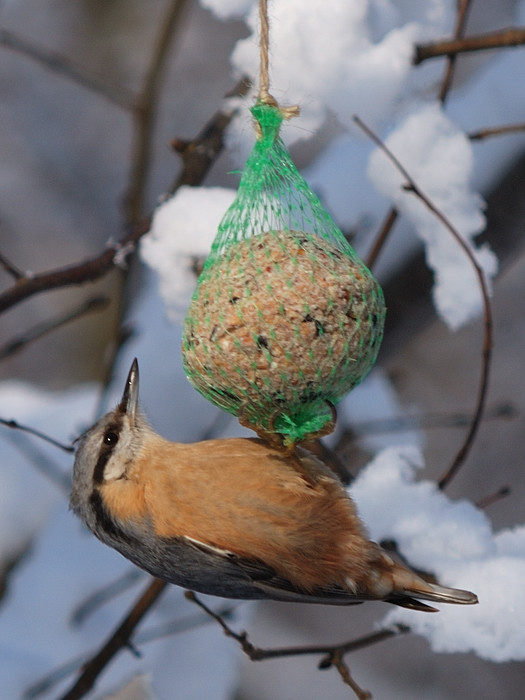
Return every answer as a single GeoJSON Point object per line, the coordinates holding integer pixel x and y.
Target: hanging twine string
{"type": "Point", "coordinates": [264, 96]}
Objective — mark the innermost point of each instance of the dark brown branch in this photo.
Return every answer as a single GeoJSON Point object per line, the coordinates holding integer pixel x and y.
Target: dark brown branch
{"type": "Point", "coordinates": [382, 236]}
{"type": "Point", "coordinates": [333, 653]}
{"type": "Point", "coordinates": [167, 629]}
{"type": "Point", "coordinates": [494, 40]}
{"type": "Point", "coordinates": [88, 271]}
{"type": "Point", "coordinates": [120, 639]}
{"type": "Point", "coordinates": [258, 654]}
{"type": "Point", "coordinates": [496, 131]}
{"type": "Point", "coordinates": [145, 111]}
{"type": "Point", "coordinates": [486, 353]}
{"type": "Point", "coordinates": [461, 20]}
{"type": "Point", "coordinates": [93, 305]}
{"type": "Point", "coordinates": [338, 662]}
{"type": "Point", "coordinates": [492, 498]}
{"type": "Point", "coordinates": [63, 66]}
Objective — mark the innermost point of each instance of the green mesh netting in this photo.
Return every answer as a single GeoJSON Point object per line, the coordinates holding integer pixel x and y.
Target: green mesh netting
{"type": "Point", "coordinates": [285, 319]}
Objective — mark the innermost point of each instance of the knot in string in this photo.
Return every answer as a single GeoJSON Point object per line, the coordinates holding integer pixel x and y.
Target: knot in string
{"type": "Point", "coordinates": [264, 97]}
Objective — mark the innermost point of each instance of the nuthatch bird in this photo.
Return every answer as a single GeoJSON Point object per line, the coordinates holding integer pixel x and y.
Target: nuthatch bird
{"type": "Point", "coordinates": [233, 517]}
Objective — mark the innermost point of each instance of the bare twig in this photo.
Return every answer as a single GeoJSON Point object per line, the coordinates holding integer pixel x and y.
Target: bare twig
{"type": "Point", "coordinates": [88, 271]}
{"type": "Point", "coordinates": [171, 627]}
{"type": "Point", "coordinates": [411, 186]}
{"type": "Point", "coordinates": [337, 661]}
{"type": "Point", "coordinates": [496, 131]}
{"type": "Point", "coordinates": [461, 20]}
{"type": "Point", "coordinates": [95, 304]}
{"type": "Point", "coordinates": [492, 498]}
{"type": "Point", "coordinates": [145, 112]}
{"type": "Point", "coordinates": [33, 431]}
{"type": "Point", "coordinates": [333, 653]}
{"type": "Point", "coordinates": [493, 40]}
{"type": "Point", "coordinates": [120, 639]}
{"type": "Point", "coordinates": [259, 654]}
{"type": "Point", "coordinates": [381, 238]}
{"type": "Point", "coordinates": [63, 66]}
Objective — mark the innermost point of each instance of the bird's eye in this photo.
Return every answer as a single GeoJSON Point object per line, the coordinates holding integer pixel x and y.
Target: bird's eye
{"type": "Point", "coordinates": [110, 438]}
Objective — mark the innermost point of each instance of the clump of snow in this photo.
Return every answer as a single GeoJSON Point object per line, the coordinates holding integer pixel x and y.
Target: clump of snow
{"type": "Point", "coordinates": [495, 628]}
{"type": "Point", "coordinates": [182, 231]}
{"type": "Point", "coordinates": [453, 540]}
{"type": "Point", "coordinates": [367, 69]}
{"type": "Point", "coordinates": [438, 157]}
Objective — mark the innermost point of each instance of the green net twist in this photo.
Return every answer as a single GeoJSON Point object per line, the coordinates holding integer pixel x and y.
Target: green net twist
{"type": "Point", "coordinates": [285, 319]}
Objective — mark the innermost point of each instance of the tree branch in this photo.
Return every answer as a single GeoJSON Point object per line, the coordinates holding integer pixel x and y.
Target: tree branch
{"type": "Point", "coordinates": [461, 21]}
{"type": "Point", "coordinates": [486, 352]}
{"type": "Point", "coordinates": [496, 131]}
{"type": "Point", "coordinates": [382, 236]}
{"type": "Point", "coordinates": [195, 168]}
{"type": "Point", "coordinates": [199, 154]}
{"type": "Point", "coordinates": [333, 653]}
{"type": "Point", "coordinates": [493, 40]}
{"type": "Point", "coordinates": [15, 425]}
{"type": "Point", "coordinates": [487, 501]}
{"type": "Point", "coordinates": [90, 270]}
{"type": "Point", "coordinates": [119, 640]}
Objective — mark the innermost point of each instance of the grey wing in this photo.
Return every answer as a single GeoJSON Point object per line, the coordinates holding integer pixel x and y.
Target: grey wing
{"type": "Point", "coordinates": [234, 576]}
{"type": "Point", "coordinates": [206, 569]}
{"type": "Point", "coordinates": [216, 571]}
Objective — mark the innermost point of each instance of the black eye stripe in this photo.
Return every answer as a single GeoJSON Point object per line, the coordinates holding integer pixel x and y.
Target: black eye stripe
{"type": "Point", "coordinates": [109, 442]}
{"type": "Point", "coordinates": [98, 473]}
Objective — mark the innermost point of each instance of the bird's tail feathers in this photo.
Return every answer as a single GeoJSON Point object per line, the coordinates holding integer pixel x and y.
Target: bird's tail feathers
{"type": "Point", "coordinates": [408, 583]}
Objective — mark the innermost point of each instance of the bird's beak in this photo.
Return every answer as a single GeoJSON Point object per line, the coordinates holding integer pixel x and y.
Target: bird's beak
{"type": "Point", "coordinates": [130, 397]}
